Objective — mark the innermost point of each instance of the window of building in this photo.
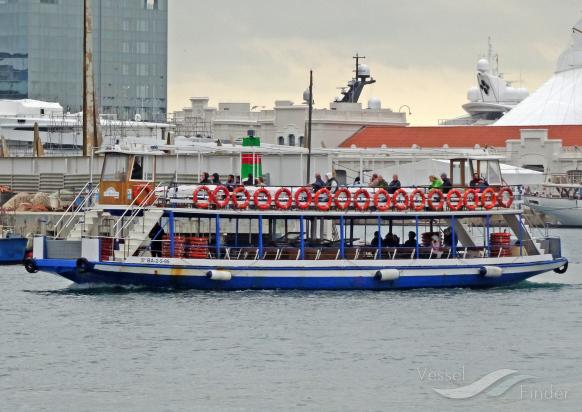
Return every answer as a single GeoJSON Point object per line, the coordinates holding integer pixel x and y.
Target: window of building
{"type": "Point", "coordinates": [150, 4]}
{"type": "Point", "coordinates": [49, 1]}
{"type": "Point", "coordinates": [301, 141]}
{"type": "Point", "coordinates": [291, 140]}
{"type": "Point", "coordinates": [281, 141]}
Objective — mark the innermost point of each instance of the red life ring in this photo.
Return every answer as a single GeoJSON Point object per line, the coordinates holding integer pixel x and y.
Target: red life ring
{"type": "Point", "coordinates": [203, 204]}
{"type": "Point", "coordinates": [459, 203]}
{"type": "Point", "coordinates": [430, 199]}
{"type": "Point", "coordinates": [288, 203]}
{"type": "Point", "coordinates": [348, 199]}
{"type": "Point", "coordinates": [488, 205]}
{"type": "Point", "coordinates": [262, 205]}
{"type": "Point", "coordinates": [235, 201]}
{"type": "Point", "coordinates": [362, 206]}
{"type": "Point", "coordinates": [221, 204]}
{"type": "Point", "coordinates": [141, 194]}
{"type": "Point", "coordinates": [324, 206]}
{"type": "Point", "coordinates": [398, 205]}
{"type": "Point", "coordinates": [471, 205]}
{"type": "Point", "coordinates": [412, 197]}
{"type": "Point", "coordinates": [382, 206]}
{"type": "Point", "coordinates": [307, 202]}
{"type": "Point", "coordinates": [505, 203]}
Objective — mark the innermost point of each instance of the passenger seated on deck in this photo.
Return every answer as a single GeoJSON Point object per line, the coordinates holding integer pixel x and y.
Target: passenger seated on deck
{"type": "Point", "coordinates": [230, 183]}
{"type": "Point", "coordinates": [436, 246]}
{"type": "Point", "coordinates": [448, 237]}
{"type": "Point", "coordinates": [216, 179]}
{"type": "Point", "coordinates": [376, 239]}
{"type": "Point", "coordinates": [483, 184]}
{"type": "Point", "coordinates": [391, 240]}
{"type": "Point", "coordinates": [394, 185]}
{"type": "Point", "coordinates": [411, 242]}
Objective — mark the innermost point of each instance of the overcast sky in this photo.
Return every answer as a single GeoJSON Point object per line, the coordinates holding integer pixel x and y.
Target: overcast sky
{"type": "Point", "coordinates": [422, 53]}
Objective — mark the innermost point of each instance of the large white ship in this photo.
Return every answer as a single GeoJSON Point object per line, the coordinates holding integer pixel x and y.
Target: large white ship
{"type": "Point", "coordinates": [60, 131]}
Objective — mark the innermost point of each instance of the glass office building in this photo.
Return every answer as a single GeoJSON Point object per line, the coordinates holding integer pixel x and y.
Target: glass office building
{"type": "Point", "coordinates": [41, 54]}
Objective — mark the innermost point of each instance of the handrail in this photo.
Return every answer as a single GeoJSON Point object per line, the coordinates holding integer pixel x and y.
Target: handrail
{"type": "Point", "coordinates": [130, 206]}
{"type": "Point", "coordinates": [87, 198]}
{"type": "Point", "coordinates": [135, 212]}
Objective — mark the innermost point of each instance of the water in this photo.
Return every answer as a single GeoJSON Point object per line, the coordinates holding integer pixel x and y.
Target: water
{"type": "Point", "coordinates": [95, 349]}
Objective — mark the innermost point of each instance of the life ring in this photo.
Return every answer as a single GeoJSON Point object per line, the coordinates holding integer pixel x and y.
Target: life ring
{"type": "Point", "coordinates": [262, 205]}
{"type": "Point", "coordinates": [342, 205]}
{"type": "Point", "coordinates": [308, 198]}
{"type": "Point", "coordinates": [456, 206]}
{"type": "Point", "coordinates": [505, 203]}
{"type": "Point", "coordinates": [562, 269]}
{"type": "Point", "coordinates": [83, 265]}
{"type": "Point", "coordinates": [237, 204]}
{"type": "Point", "coordinates": [279, 203]}
{"type": "Point", "coordinates": [141, 195]}
{"type": "Point", "coordinates": [415, 193]}
{"type": "Point", "coordinates": [471, 204]}
{"type": "Point", "coordinates": [221, 204]}
{"type": "Point", "coordinates": [430, 199]}
{"type": "Point", "coordinates": [382, 206]}
{"type": "Point", "coordinates": [488, 205]}
{"type": "Point", "coordinates": [203, 204]}
{"type": "Point", "coordinates": [30, 266]}
{"type": "Point", "coordinates": [362, 206]}
{"type": "Point", "coordinates": [398, 205]}
{"type": "Point", "coordinates": [323, 206]}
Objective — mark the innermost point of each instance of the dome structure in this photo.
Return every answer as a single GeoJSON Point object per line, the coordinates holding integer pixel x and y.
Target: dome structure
{"type": "Point", "coordinates": [556, 102]}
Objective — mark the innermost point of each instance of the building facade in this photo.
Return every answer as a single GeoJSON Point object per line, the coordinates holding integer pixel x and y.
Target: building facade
{"type": "Point", "coordinates": [41, 54]}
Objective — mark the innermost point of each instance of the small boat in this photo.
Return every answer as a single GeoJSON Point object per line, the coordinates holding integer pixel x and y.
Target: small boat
{"type": "Point", "coordinates": [234, 238]}
{"type": "Point", "coordinates": [12, 249]}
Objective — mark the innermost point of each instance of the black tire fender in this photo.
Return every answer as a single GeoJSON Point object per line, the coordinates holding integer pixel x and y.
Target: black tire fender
{"type": "Point", "coordinates": [562, 269]}
{"type": "Point", "coordinates": [30, 266]}
{"type": "Point", "coordinates": [83, 265]}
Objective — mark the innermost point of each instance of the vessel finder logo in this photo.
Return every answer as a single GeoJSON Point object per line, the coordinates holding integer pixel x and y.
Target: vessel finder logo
{"type": "Point", "coordinates": [493, 384]}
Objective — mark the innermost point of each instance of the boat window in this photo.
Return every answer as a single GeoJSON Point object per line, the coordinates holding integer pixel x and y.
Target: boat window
{"type": "Point", "coordinates": [137, 169]}
{"type": "Point", "coordinates": [115, 167]}
{"type": "Point", "coordinates": [494, 173]}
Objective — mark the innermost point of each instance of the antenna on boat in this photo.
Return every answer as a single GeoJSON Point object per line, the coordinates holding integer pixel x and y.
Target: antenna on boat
{"type": "Point", "coordinates": [308, 97]}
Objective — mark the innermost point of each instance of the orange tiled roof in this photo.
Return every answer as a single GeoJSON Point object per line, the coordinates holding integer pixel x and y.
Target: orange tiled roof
{"type": "Point", "coordinates": [454, 136]}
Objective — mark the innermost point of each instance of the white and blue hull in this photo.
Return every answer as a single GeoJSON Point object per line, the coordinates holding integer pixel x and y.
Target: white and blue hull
{"type": "Point", "coordinates": [298, 275]}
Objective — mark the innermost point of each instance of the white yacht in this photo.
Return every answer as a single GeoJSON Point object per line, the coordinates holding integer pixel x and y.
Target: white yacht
{"type": "Point", "coordinates": [60, 131]}
{"type": "Point", "coordinates": [561, 201]}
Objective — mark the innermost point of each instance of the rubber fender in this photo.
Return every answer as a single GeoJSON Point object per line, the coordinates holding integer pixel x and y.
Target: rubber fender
{"type": "Point", "coordinates": [219, 275]}
{"type": "Point", "coordinates": [491, 271]}
{"type": "Point", "coordinates": [387, 275]}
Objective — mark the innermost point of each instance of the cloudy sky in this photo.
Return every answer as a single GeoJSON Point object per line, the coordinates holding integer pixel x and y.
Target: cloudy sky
{"type": "Point", "coordinates": [422, 52]}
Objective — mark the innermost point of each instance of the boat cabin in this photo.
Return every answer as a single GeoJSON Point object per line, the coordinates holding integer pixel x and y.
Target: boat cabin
{"type": "Point", "coordinates": [487, 167]}
{"type": "Point", "coordinates": [125, 176]}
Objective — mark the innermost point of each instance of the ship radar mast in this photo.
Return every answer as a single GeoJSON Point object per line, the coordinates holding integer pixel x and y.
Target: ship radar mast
{"type": "Point", "coordinates": [353, 91]}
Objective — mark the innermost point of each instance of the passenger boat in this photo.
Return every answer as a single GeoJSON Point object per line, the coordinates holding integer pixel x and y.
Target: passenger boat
{"type": "Point", "coordinates": [12, 249]}
{"type": "Point", "coordinates": [154, 234]}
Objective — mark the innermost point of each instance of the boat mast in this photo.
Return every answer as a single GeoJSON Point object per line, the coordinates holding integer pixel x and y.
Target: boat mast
{"type": "Point", "coordinates": [89, 107]}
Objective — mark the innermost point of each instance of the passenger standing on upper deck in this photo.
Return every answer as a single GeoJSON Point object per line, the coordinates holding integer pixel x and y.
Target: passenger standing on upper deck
{"type": "Point", "coordinates": [250, 181]}
{"type": "Point", "coordinates": [331, 183]}
{"type": "Point", "coordinates": [373, 181]}
{"type": "Point", "coordinates": [216, 179]}
{"type": "Point", "coordinates": [447, 184]}
{"type": "Point", "coordinates": [394, 185]}
{"type": "Point", "coordinates": [205, 179]}
{"type": "Point", "coordinates": [435, 182]}
{"type": "Point", "coordinates": [319, 183]}
{"type": "Point", "coordinates": [475, 181]}
{"type": "Point", "coordinates": [382, 184]}
{"type": "Point", "coordinates": [230, 183]}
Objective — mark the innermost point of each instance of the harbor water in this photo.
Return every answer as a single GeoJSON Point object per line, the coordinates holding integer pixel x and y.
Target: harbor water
{"type": "Point", "coordinates": [95, 348]}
